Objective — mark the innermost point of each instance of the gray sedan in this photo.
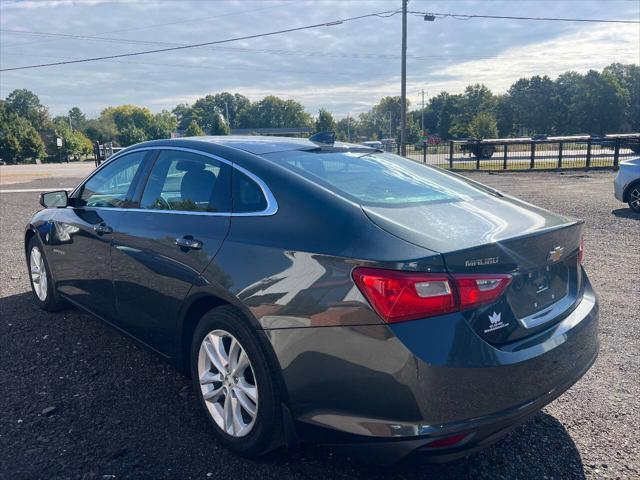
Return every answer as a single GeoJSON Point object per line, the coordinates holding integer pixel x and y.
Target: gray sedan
{"type": "Point", "coordinates": [326, 292]}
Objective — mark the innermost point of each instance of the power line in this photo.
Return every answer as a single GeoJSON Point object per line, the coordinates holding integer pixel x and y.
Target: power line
{"type": "Point", "coordinates": [174, 47]}
{"type": "Point", "coordinates": [175, 22]}
{"type": "Point", "coordinates": [305, 53]}
{"type": "Point", "coordinates": [362, 55]}
{"type": "Point", "coordinates": [385, 14]}
{"type": "Point", "coordinates": [461, 16]}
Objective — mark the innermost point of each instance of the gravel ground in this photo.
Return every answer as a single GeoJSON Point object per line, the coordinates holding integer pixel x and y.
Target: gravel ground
{"type": "Point", "coordinates": [78, 400]}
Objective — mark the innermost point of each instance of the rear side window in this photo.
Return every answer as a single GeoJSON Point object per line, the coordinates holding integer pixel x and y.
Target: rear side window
{"type": "Point", "coordinates": [377, 178]}
{"type": "Point", "coordinates": [247, 194]}
{"type": "Point", "coordinates": [188, 182]}
{"type": "Point", "coordinates": [109, 187]}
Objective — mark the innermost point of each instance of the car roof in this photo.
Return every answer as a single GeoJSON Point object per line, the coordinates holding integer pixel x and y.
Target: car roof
{"type": "Point", "coordinates": [260, 145]}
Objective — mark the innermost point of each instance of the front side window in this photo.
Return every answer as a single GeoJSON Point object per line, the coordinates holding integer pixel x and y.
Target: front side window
{"type": "Point", "coordinates": [109, 187]}
{"type": "Point", "coordinates": [379, 179]}
{"type": "Point", "coordinates": [185, 181]}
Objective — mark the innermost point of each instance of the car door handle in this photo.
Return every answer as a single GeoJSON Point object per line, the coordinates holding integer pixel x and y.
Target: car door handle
{"type": "Point", "coordinates": [189, 242]}
{"type": "Point", "coordinates": [102, 229]}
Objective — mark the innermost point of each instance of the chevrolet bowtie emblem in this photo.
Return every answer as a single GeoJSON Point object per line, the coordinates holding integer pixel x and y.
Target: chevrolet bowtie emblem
{"type": "Point", "coordinates": [555, 254]}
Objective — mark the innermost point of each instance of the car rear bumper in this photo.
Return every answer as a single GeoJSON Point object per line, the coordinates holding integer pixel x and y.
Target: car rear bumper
{"type": "Point", "coordinates": [481, 433]}
{"type": "Point", "coordinates": [387, 391]}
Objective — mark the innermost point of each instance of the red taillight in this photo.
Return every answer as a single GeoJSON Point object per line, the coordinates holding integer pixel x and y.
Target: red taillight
{"type": "Point", "coordinates": [398, 296]}
{"type": "Point", "coordinates": [581, 251]}
{"type": "Point", "coordinates": [477, 290]}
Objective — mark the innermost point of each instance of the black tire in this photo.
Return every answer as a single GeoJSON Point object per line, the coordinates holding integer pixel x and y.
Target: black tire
{"type": "Point", "coordinates": [52, 301]}
{"type": "Point", "coordinates": [486, 152]}
{"type": "Point", "coordinates": [632, 197]}
{"type": "Point", "coordinates": [266, 433]}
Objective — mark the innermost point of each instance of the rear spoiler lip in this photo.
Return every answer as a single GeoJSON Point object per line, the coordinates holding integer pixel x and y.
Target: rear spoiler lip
{"type": "Point", "coordinates": [542, 231]}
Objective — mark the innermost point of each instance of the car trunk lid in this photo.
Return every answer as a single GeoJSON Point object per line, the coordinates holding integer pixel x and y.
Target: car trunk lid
{"type": "Point", "coordinates": [497, 235]}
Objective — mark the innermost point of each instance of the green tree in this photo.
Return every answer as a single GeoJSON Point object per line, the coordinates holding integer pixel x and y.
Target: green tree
{"type": "Point", "coordinates": [483, 125]}
{"type": "Point", "coordinates": [193, 130]}
{"type": "Point", "coordinates": [504, 116]}
{"type": "Point", "coordinates": [207, 110]}
{"type": "Point", "coordinates": [207, 113]}
{"type": "Point", "coordinates": [102, 129]}
{"type": "Point", "coordinates": [628, 76]}
{"type": "Point", "coordinates": [325, 121]}
{"type": "Point", "coordinates": [600, 106]}
{"type": "Point", "coordinates": [183, 114]}
{"type": "Point", "coordinates": [26, 104]}
{"type": "Point", "coordinates": [78, 119]}
{"type": "Point", "coordinates": [346, 129]}
{"type": "Point", "coordinates": [446, 117]}
{"type": "Point", "coordinates": [476, 99]}
{"type": "Point", "coordinates": [274, 112]}
{"type": "Point", "coordinates": [534, 103]}
{"type": "Point", "coordinates": [232, 103]}
{"type": "Point", "coordinates": [161, 125]}
{"type": "Point", "coordinates": [218, 126]}
{"type": "Point", "coordinates": [74, 142]}
{"type": "Point", "coordinates": [568, 90]}
{"type": "Point", "coordinates": [135, 124]}
{"type": "Point", "coordinates": [131, 135]}
{"type": "Point", "coordinates": [19, 141]}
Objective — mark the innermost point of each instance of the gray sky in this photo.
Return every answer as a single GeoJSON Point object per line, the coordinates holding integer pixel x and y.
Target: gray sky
{"type": "Point", "coordinates": [345, 68]}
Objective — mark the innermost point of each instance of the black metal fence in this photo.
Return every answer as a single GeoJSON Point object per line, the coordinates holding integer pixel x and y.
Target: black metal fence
{"type": "Point", "coordinates": [524, 154]}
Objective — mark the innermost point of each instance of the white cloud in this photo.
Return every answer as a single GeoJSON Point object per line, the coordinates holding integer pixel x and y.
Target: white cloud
{"type": "Point", "coordinates": [346, 68]}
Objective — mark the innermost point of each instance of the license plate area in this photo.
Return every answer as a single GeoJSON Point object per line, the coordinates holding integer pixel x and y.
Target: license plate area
{"type": "Point", "coordinates": [535, 290]}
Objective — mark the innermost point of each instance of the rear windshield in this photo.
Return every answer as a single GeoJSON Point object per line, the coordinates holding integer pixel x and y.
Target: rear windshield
{"type": "Point", "coordinates": [377, 178]}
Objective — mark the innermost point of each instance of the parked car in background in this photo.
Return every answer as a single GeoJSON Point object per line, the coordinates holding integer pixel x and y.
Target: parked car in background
{"type": "Point", "coordinates": [325, 291]}
{"type": "Point", "coordinates": [373, 144]}
{"type": "Point", "coordinates": [627, 183]}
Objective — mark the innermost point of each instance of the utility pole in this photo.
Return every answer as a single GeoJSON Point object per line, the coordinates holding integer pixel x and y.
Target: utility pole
{"type": "Point", "coordinates": [390, 130]}
{"type": "Point", "coordinates": [226, 108]}
{"type": "Point", "coordinates": [403, 88]}
{"type": "Point", "coordinates": [348, 128]}
{"type": "Point", "coordinates": [422, 116]}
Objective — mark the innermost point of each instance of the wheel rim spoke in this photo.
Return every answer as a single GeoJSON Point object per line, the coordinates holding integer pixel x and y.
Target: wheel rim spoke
{"type": "Point", "coordinates": [213, 394]}
{"type": "Point", "coordinates": [242, 363]}
{"type": "Point", "coordinates": [246, 404]}
{"type": "Point", "coordinates": [249, 390]}
{"type": "Point", "coordinates": [234, 352]}
{"type": "Point", "coordinates": [236, 415]}
{"type": "Point", "coordinates": [228, 415]}
{"type": "Point", "coordinates": [215, 351]}
{"type": "Point", "coordinates": [209, 377]}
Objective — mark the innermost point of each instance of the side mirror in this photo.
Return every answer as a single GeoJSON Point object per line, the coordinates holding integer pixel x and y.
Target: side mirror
{"type": "Point", "coordinates": [55, 199]}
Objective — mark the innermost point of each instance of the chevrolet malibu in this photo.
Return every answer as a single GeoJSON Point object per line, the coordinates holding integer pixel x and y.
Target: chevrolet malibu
{"type": "Point", "coordinates": [326, 292]}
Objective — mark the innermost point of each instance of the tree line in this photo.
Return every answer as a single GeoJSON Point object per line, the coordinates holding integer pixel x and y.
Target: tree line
{"type": "Point", "coordinates": [592, 103]}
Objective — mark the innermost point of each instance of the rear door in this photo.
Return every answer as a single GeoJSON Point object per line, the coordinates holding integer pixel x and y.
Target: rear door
{"type": "Point", "coordinates": [82, 234]}
{"type": "Point", "coordinates": [163, 243]}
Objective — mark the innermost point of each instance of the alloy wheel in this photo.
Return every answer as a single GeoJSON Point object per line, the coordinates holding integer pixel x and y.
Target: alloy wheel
{"type": "Point", "coordinates": [634, 198]}
{"type": "Point", "coordinates": [227, 383]}
{"type": "Point", "coordinates": [38, 274]}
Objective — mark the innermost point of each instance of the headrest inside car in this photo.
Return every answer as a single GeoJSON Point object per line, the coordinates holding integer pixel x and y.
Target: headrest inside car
{"type": "Point", "coordinates": [189, 165]}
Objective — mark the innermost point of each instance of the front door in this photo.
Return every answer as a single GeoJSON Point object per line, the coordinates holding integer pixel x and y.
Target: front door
{"type": "Point", "coordinates": [165, 242]}
{"type": "Point", "coordinates": [81, 237]}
